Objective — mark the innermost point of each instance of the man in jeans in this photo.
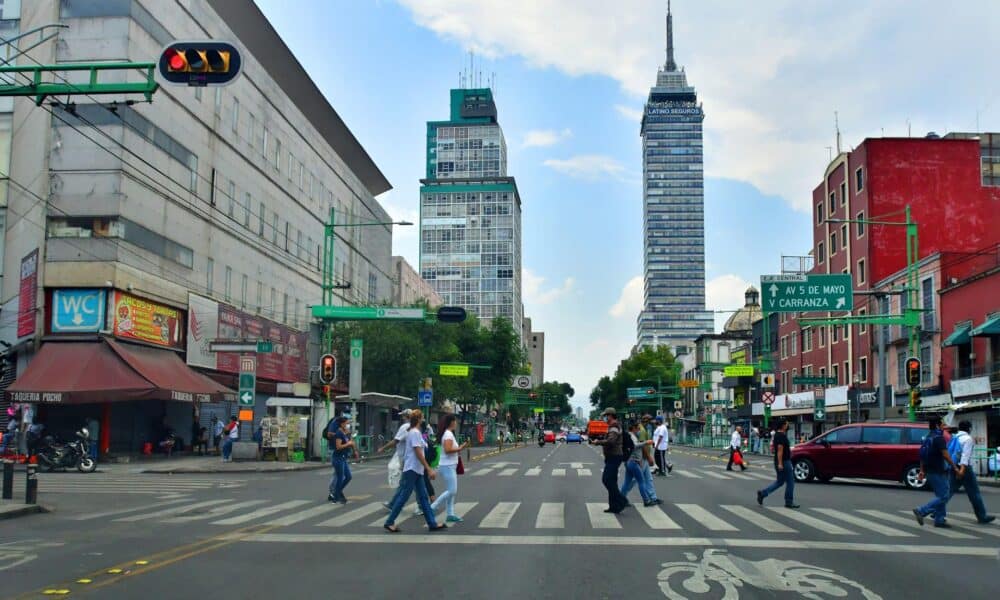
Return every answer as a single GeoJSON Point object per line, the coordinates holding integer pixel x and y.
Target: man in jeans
{"type": "Point", "coordinates": [965, 475]}
{"type": "Point", "coordinates": [934, 463]}
{"type": "Point", "coordinates": [783, 468]}
{"type": "Point", "coordinates": [612, 461]}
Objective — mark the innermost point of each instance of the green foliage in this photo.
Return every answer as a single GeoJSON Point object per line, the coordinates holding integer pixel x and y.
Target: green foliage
{"type": "Point", "coordinates": [644, 365]}
{"type": "Point", "coordinates": [553, 394]}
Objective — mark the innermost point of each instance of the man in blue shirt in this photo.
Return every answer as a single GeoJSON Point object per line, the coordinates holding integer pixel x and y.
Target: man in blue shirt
{"type": "Point", "coordinates": [934, 465]}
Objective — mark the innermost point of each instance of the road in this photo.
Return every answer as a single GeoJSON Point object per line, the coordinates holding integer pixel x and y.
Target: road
{"type": "Point", "coordinates": [533, 529]}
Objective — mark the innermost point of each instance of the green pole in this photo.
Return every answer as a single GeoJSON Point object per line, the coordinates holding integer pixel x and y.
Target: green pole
{"type": "Point", "coordinates": [911, 292]}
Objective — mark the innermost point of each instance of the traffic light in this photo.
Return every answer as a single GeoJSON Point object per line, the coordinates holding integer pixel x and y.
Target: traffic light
{"type": "Point", "coordinates": [915, 399]}
{"type": "Point", "coordinates": [532, 395]}
{"type": "Point", "coordinates": [200, 63]}
{"type": "Point", "coordinates": [650, 391]}
{"type": "Point", "coordinates": [451, 314]}
{"type": "Point", "coordinates": [913, 372]}
{"type": "Point", "coordinates": [327, 368]}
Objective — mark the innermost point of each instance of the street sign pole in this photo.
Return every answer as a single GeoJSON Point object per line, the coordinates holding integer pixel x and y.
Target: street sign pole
{"type": "Point", "coordinates": [354, 385]}
{"type": "Point", "coordinates": [248, 387]}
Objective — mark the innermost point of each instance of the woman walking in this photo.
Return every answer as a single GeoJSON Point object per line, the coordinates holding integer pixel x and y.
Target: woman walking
{"type": "Point", "coordinates": [342, 450]}
{"type": "Point", "coordinates": [448, 467]}
{"type": "Point", "coordinates": [414, 467]}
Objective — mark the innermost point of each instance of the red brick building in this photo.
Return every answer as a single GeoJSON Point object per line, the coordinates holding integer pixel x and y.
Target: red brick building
{"type": "Point", "coordinates": [942, 182]}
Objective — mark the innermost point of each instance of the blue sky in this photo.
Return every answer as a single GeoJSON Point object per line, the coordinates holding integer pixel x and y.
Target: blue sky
{"type": "Point", "coordinates": [571, 80]}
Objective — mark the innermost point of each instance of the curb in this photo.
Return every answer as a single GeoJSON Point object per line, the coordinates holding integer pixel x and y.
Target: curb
{"type": "Point", "coordinates": [480, 457]}
{"type": "Point", "coordinates": [189, 471]}
{"type": "Point", "coordinates": [27, 509]}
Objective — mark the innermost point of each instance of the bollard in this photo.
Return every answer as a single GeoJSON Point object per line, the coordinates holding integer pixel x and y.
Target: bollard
{"type": "Point", "coordinates": [8, 479]}
{"type": "Point", "coordinates": [31, 490]}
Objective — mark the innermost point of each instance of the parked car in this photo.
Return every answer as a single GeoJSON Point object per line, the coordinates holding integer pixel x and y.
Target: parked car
{"type": "Point", "coordinates": [573, 436]}
{"type": "Point", "coordinates": [889, 451]}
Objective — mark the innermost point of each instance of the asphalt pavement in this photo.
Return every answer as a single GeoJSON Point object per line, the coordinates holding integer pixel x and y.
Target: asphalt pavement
{"type": "Point", "coordinates": [534, 528]}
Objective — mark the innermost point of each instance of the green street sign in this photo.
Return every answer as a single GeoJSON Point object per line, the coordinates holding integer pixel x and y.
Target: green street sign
{"type": "Point", "coordinates": [641, 393]}
{"type": "Point", "coordinates": [819, 410]}
{"type": "Point", "coordinates": [367, 313]}
{"type": "Point", "coordinates": [247, 380]}
{"type": "Point", "coordinates": [357, 346]}
{"type": "Point", "coordinates": [807, 380]}
{"type": "Point", "coordinates": [807, 293]}
{"type": "Point", "coordinates": [265, 347]}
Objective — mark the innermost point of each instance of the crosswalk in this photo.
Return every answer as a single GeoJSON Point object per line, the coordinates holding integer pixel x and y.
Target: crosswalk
{"type": "Point", "coordinates": [586, 470]}
{"type": "Point", "coordinates": [521, 517]}
{"type": "Point", "coordinates": [124, 484]}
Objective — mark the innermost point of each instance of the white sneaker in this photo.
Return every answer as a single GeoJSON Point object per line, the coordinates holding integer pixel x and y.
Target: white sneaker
{"type": "Point", "coordinates": [418, 513]}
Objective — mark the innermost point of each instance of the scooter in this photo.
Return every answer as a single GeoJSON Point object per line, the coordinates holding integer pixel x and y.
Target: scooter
{"type": "Point", "coordinates": [541, 441]}
{"type": "Point", "coordinates": [54, 455]}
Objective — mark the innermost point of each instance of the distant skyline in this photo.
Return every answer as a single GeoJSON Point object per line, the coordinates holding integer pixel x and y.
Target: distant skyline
{"type": "Point", "coordinates": [570, 92]}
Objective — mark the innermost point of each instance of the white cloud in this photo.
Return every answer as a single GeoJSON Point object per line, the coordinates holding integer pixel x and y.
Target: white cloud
{"type": "Point", "coordinates": [545, 137]}
{"type": "Point", "coordinates": [535, 293]}
{"type": "Point", "coordinates": [587, 166]}
{"type": "Point", "coordinates": [405, 238]}
{"type": "Point", "coordinates": [725, 293]}
{"type": "Point", "coordinates": [629, 112]}
{"type": "Point", "coordinates": [630, 301]}
{"type": "Point", "coordinates": [769, 90]}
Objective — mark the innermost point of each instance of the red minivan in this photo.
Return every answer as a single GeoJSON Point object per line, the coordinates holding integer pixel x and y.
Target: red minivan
{"type": "Point", "coordinates": [889, 451]}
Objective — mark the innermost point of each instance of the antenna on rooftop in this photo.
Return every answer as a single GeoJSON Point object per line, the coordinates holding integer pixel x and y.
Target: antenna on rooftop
{"type": "Point", "coordinates": [836, 124]}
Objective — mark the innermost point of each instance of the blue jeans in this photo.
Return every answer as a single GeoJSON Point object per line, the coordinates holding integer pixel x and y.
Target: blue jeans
{"type": "Point", "coordinates": [633, 475]}
{"type": "Point", "coordinates": [227, 448]}
{"type": "Point", "coordinates": [450, 475]}
{"type": "Point", "coordinates": [647, 478]}
{"type": "Point", "coordinates": [942, 492]}
{"type": "Point", "coordinates": [971, 490]}
{"type": "Point", "coordinates": [411, 481]}
{"type": "Point", "coordinates": [341, 477]}
{"type": "Point", "coordinates": [783, 477]}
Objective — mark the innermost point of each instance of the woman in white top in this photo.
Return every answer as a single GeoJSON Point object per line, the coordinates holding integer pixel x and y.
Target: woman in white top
{"type": "Point", "coordinates": [448, 466]}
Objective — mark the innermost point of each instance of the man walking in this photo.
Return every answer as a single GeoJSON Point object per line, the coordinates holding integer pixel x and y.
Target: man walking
{"type": "Point", "coordinates": [612, 444]}
{"type": "Point", "coordinates": [735, 443]}
{"type": "Point", "coordinates": [783, 469]}
{"type": "Point", "coordinates": [965, 475]}
{"type": "Point", "coordinates": [934, 462]}
{"type": "Point", "coordinates": [395, 466]}
{"type": "Point", "coordinates": [661, 443]}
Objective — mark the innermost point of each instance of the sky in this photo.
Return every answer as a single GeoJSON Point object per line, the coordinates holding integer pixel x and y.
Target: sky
{"type": "Point", "coordinates": [571, 77]}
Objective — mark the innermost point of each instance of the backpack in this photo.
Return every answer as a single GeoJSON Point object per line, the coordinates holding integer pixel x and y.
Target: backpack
{"type": "Point", "coordinates": [955, 447]}
{"type": "Point", "coordinates": [627, 445]}
{"type": "Point", "coordinates": [326, 432]}
{"type": "Point", "coordinates": [927, 448]}
{"type": "Point", "coordinates": [430, 453]}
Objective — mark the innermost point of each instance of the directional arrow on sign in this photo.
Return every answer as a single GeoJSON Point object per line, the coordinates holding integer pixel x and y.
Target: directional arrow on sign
{"type": "Point", "coordinates": [820, 413]}
{"type": "Point", "coordinates": [78, 319]}
{"type": "Point", "coordinates": [841, 302]}
{"type": "Point", "coordinates": [773, 289]}
{"type": "Point", "coordinates": [247, 397]}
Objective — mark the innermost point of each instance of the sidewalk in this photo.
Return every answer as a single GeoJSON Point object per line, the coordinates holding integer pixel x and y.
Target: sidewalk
{"type": "Point", "coordinates": [11, 509]}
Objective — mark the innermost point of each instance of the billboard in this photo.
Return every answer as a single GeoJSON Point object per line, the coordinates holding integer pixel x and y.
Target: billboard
{"type": "Point", "coordinates": [145, 321]}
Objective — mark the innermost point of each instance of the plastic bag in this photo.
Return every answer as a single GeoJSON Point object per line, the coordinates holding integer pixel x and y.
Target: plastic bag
{"type": "Point", "coordinates": [395, 471]}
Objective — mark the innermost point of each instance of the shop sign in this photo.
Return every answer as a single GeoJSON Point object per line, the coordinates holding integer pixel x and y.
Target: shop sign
{"type": "Point", "coordinates": [976, 386]}
{"type": "Point", "coordinates": [34, 397]}
{"type": "Point", "coordinates": [28, 294]}
{"type": "Point", "coordinates": [144, 321]}
{"type": "Point", "coordinates": [78, 311]}
{"type": "Point", "coordinates": [202, 328]}
{"type": "Point", "coordinates": [738, 371]}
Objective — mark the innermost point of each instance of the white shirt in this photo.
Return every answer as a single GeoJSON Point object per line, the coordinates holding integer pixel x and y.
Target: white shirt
{"type": "Point", "coordinates": [401, 440]}
{"type": "Point", "coordinates": [410, 461]}
{"type": "Point", "coordinates": [234, 433]}
{"type": "Point", "coordinates": [217, 430]}
{"type": "Point", "coordinates": [967, 444]}
{"type": "Point", "coordinates": [447, 458]}
{"type": "Point", "coordinates": [736, 441]}
{"type": "Point", "coordinates": [661, 437]}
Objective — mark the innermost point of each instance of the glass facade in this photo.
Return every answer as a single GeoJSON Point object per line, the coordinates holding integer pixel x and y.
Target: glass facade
{"type": "Point", "coordinates": [673, 213]}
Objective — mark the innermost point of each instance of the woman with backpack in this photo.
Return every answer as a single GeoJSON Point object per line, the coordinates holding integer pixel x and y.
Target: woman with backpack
{"type": "Point", "coordinates": [415, 466]}
{"type": "Point", "coordinates": [448, 466]}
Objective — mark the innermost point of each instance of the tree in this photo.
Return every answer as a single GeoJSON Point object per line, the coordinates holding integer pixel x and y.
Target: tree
{"type": "Point", "coordinates": [640, 368]}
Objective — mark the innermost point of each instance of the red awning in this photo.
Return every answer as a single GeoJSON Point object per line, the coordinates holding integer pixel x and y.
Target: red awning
{"type": "Point", "coordinates": [109, 371]}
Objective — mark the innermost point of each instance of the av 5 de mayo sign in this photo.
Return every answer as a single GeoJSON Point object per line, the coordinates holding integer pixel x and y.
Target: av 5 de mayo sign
{"type": "Point", "coordinates": [807, 293]}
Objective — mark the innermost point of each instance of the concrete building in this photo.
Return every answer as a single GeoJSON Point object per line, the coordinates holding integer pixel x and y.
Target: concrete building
{"type": "Point", "coordinates": [536, 357]}
{"type": "Point", "coordinates": [673, 211]}
{"type": "Point", "coordinates": [470, 212]}
{"type": "Point", "coordinates": [198, 217]}
{"type": "Point", "coordinates": [409, 287]}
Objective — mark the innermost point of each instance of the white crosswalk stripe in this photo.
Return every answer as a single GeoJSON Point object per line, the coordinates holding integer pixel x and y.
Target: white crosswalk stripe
{"type": "Point", "coordinates": [218, 511]}
{"type": "Point", "coordinates": [600, 519]}
{"type": "Point", "coordinates": [261, 512]}
{"type": "Point", "coordinates": [655, 518]}
{"type": "Point", "coordinates": [967, 522]}
{"type": "Point", "coordinates": [558, 472]}
{"type": "Point", "coordinates": [500, 516]}
{"type": "Point", "coordinates": [353, 515]}
{"type": "Point", "coordinates": [508, 472]}
{"type": "Point", "coordinates": [171, 511]}
{"type": "Point", "coordinates": [715, 475]}
{"type": "Point", "coordinates": [584, 472]}
{"type": "Point", "coordinates": [863, 523]}
{"type": "Point", "coordinates": [759, 475]}
{"type": "Point", "coordinates": [911, 522]}
{"type": "Point", "coordinates": [483, 470]}
{"type": "Point", "coordinates": [122, 511]}
{"type": "Point", "coordinates": [755, 517]}
{"type": "Point", "coordinates": [533, 472]}
{"type": "Point", "coordinates": [705, 518]}
{"type": "Point", "coordinates": [304, 515]}
{"type": "Point", "coordinates": [687, 474]}
{"type": "Point", "coordinates": [824, 526]}
{"type": "Point", "coordinates": [137, 485]}
{"type": "Point", "coordinates": [551, 516]}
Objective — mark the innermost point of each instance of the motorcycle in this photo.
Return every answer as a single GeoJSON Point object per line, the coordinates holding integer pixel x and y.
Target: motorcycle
{"type": "Point", "coordinates": [541, 441]}
{"type": "Point", "coordinates": [54, 455]}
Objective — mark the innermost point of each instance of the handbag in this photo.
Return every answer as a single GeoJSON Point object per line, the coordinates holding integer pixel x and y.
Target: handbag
{"type": "Point", "coordinates": [460, 469]}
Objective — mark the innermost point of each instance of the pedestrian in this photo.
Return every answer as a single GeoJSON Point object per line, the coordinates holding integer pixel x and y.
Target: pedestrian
{"type": "Point", "coordinates": [735, 443]}
{"type": "Point", "coordinates": [633, 467]}
{"type": "Point", "coordinates": [934, 464]}
{"type": "Point", "coordinates": [754, 440]}
{"type": "Point", "coordinates": [612, 445]}
{"type": "Point", "coordinates": [965, 475]}
{"type": "Point", "coordinates": [415, 465]}
{"type": "Point", "coordinates": [448, 466]}
{"type": "Point", "coordinates": [231, 432]}
{"type": "Point", "coordinates": [432, 455]}
{"type": "Point", "coordinates": [783, 470]}
{"type": "Point", "coordinates": [338, 432]}
{"type": "Point", "coordinates": [396, 462]}
{"type": "Point", "coordinates": [217, 427]}
{"type": "Point", "coordinates": [645, 439]}
{"type": "Point", "coordinates": [661, 443]}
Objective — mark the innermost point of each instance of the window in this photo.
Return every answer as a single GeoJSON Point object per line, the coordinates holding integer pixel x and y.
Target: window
{"type": "Point", "coordinates": [209, 275]}
{"type": "Point", "coordinates": [835, 333]}
{"type": "Point", "coordinates": [833, 203]}
{"type": "Point", "coordinates": [274, 229]}
{"type": "Point", "coordinates": [822, 371]}
{"type": "Point", "coordinates": [927, 300]}
{"type": "Point", "coordinates": [243, 292]}
{"type": "Point", "coordinates": [807, 339]}
{"type": "Point", "coordinates": [288, 235]}
{"type": "Point", "coordinates": [859, 180]}
{"type": "Point", "coordinates": [795, 343]}
{"type": "Point", "coordinates": [785, 385]}
{"type": "Point", "coordinates": [284, 310]}
{"type": "Point", "coordinates": [901, 357]}
{"type": "Point", "coordinates": [229, 283]}
{"type": "Point", "coordinates": [251, 128]}
{"type": "Point", "coordinates": [218, 100]}
{"type": "Point", "coordinates": [302, 170]}
{"type": "Point", "coordinates": [273, 309]}
{"type": "Point", "coordinates": [277, 155]}
{"type": "Point", "coordinates": [260, 226]}
{"type": "Point", "coordinates": [863, 368]}
{"type": "Point", "coordinates": [833, 243]}
{"type": "Point", "coordinates": [847, 435]}
{"type": "Point", "coordinates": [843, 193]}
{"type": "Point", "coordinates": [298, 308]}
{"type": "Point", "coordinates": [820, 253]}
{"type": "Point", "coordinates": [925, 365]}
{"type": "Point", "coordinates": [914, 436]}
{"type": "Point", "coordinates": [784, 347]}
{"type": "Point", "coordinates": [232, 198]}
{"type": "Point", "coordinates": [862, 327]}
{"type": "Point", "coordinates": [372, 288]}
{"type": "Point", "coordinates": [247, 202]}
{"type": "Point", "coordinates": [847, 373]}
{"type": "Point", "coordinates": [291, 166]}
{"type": "Point", "coordinates": [836, 373]}
{"type": "Point", "coordinates": [844, 240]}
{"type": "Point", "coordinates": [236, 115]}
{"type": "Point", "coordinates": [298, 244]}
{"type": "Point", "coordinates": [861, 223]}
{"type": "Point", "coordinates": [861, 272]}
{"type": "Point", "coordinates": [260, 296]}
{"type": "Point", "coordinates": [795, 373]}
{"type": "Point", "coordinates": [263, 143]}
{"type": "Point", "coordinates": [822, 337]}
{"type": "Point", "coordinates": [881, 435]}
{"type": "Point", "coordinates": [819, 213]}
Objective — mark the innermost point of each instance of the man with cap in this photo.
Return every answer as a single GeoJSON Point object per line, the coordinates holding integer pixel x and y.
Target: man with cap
{"type": "Point", "coordinates": [661, 443]}
{"type": "Point", "coordinates": [396, 462]}
{"type": "Point", "coordinates": [613, 457]}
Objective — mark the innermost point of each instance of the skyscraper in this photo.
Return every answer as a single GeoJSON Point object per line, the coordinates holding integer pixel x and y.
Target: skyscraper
{"type": "Point", "coordinates": [673, 211]}
{"type": "Point", "coordinates": [470, 212]}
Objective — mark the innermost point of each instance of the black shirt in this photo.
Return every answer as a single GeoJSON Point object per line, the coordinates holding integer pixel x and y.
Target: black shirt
{"type": "Point", "coordinates": [781, 441]}
{"type": "Point", "coordinates": [935, 463]}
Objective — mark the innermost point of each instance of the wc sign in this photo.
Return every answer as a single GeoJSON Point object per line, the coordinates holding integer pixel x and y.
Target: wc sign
{"type": "Point", "coordinates": [78, 310]}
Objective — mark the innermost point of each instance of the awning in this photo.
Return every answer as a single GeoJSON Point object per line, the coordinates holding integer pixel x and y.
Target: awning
{"type": "Point", "coordinates": [990, 327]}
{"type": "Point", "coordinates": [959, 336]}
{"type": "Point", "coordinates": [109, 371]}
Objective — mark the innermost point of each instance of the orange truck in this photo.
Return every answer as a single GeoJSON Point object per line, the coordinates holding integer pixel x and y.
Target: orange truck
{"type": "Point", "coordinates": [597, 429]}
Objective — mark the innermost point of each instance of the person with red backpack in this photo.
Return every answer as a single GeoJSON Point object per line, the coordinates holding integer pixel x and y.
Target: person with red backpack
{"type": "Point", "coordinates": [934, 464]}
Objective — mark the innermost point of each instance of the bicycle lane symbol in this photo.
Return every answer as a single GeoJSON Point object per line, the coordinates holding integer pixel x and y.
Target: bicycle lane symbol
{"type": "Point", "coordinates": [17, 553]}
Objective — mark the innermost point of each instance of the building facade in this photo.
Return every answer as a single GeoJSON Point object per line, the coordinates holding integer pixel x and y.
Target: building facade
{"type": "Point", "coordinates": [673, 211]}
{"type": "Point", "coordinates": [211, 197]}
{"type": "Point", "coordinates": [409, 287]}
{"type": "Point", "coordinates": [470, 212]}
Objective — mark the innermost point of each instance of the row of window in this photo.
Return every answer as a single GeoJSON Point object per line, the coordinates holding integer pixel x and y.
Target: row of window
{"type": "Point", "coordinates": [843, 239]}
{"type": "Point", "coordinates": [291, 307]}
{"type": "Point", "coordinates": [467, 198]}
{"type": "Point", "coordinates": [859, 181]}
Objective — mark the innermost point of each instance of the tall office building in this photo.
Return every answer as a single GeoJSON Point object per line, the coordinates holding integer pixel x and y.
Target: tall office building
{"type": "Point", "coordinates": [673, 211]}
{"type": "Point", "coordinates": [470, 212]}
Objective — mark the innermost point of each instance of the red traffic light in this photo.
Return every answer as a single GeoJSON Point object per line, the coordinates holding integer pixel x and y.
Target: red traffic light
{"type": "Point", "coordinates": [200, 63]}
{"type": "Point", "coordinates": [913, 372]}
{"type": "Point", "coordinates": [532, 395]}
{"type": "Point", "coordinates": [327, 368]}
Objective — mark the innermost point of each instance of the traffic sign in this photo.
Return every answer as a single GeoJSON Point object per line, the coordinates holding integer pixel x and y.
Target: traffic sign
{"type": "Point", "coordinates": [678, 403]}
{"type": "Point", "coordinates": [767, 381]}
{"type": "Point", "coordinates": [810, 380]}
{"type": "Point", "coordinates": [451, 314]}
{"type": "Point", "coordinates": [807, 293]}
{"type": "Point", "coordinates": [689, 383]}
{"type": "Point", "coordinates": [265, 346]}
{"type": "Point", "coordinates": [367, 313]}
{"type": "Point", "coordinates": [641, 393]}
{"type": "Point", "coordinates": [819, 410]}
{"type": "Point", "coordinates": [357, 357]}
{"type": "Point", "coordinates": [248, 380]}
{"type": "Point", "coordinates": [678, 414]}
{"type": "Point", "coordinates": [425, 398]}
{"type": "Point", "coordinates": [767, 398]}
{"type": "Point", "coordinates": [738, 371]}
{"type": "Point", "coordinates": [454, 370]}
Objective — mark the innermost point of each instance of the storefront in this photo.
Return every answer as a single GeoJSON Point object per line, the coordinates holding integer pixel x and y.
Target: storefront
{"type": "Point", "coordinates": [973, 400]}
{"type": "Point", "coordinates": [800, 410]}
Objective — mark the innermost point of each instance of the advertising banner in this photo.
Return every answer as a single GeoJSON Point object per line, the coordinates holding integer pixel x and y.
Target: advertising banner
{"type": "Point", "coordinates": [203, 327]}
{"type": "Point", "coordinates": [145, 321]}
{"type": "Point", "coordinates": [28, 296]}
